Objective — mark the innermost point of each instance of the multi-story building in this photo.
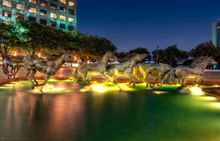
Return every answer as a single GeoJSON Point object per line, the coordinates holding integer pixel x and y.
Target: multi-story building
{"type": "Point", "coordinates": [216, 33]}
{"type": "Point", "coordinates": [59, 14]}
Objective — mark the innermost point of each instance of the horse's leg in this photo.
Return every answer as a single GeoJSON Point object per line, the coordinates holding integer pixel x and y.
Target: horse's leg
{"type": "Point", "coordinates": [75, 75]}
{"type": "Point", "coordinates": [146, 74]}
{"type": "Point", "coordinates": [14, 71]}
{"type": "Point", "coordinates": [87, 77]}
{"type": "Point", "coordinates": [46, 78]}
{"type": "Point", "coordinates": [27, 70]}
{"type": "Point", "coordinates": [84, 77]}
{"type": "Point", "coordinates": [17, 68]}
{"type": "Point", "coordinates": [32, 79]}
{"type": "Point", "coordinates": [131, 78]}
{"type": "Point", "coordinates": [5, 70]}
{"type": "Point", "coordinates": [182, 82]}
{"type": "Point", "coordinates": [104, 77]}
{"type": "Point", "coordinates": [198, 81]}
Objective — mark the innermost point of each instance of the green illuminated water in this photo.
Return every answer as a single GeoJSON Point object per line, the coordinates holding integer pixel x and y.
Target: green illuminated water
{"type": "Point", "coordinates": [114, 116]}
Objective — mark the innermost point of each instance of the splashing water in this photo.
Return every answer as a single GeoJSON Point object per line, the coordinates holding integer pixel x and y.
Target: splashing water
{"type": "Point", "coordinates": [195, 90]}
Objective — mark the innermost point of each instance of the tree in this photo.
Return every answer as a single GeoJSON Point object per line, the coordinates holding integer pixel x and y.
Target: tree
{"type": "Point", "coordinates": [203, 49]}
{"type": "Point", "coordinates": [93, 47]}
{"type": "Point", "coordinates": [139, 50]}
{"type": "Point", "coordinates": [170, 55]}
{"type": "Point", "coordinates": [11, 36]}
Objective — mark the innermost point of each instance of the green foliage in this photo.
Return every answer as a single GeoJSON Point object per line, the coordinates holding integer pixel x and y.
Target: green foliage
{"type": "Point", "coordinates": [33, 37]}
{"type": "Point", "coordinates": [204, 49]}
{"type": "Point", "coordinates": [139, 50]}
{"type": "Point", "coordinates": [93, 47]}
{"type": "Point", "coordinates": [169, 55]}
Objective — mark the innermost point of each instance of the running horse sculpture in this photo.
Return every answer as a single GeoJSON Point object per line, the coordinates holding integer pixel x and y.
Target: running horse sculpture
{"type": "Point", "coordinates": [181, 73]}
{"type": "Point", "coordinates": [127, 68]}
{"type": "Point", "coordinates": [151, 72]}
{"type": "Point", "coordinates": [99, 67]}
{"type": "Point", "coordinates": [35, 64]}
{"type": "Point", "coordinates": [11, 65]}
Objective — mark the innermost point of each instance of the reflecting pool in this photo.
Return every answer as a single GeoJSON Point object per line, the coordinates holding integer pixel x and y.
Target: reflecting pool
{"type": "Point", "coordinates": [66, 114]}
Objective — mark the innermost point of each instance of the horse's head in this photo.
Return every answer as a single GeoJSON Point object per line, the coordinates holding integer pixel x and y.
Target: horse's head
{"type": "Point", "coordinates": [140, 57]}
{"type": "Point", "coordinates": [111, 56]}
{"type": "Point", "coordinates": [203, 61]}
{"type": "Point", "coordinates": [212, 61]}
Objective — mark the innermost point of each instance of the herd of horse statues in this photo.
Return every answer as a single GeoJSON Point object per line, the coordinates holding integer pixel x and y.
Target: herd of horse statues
{"type": "Point", "coordinates": [135, 69]}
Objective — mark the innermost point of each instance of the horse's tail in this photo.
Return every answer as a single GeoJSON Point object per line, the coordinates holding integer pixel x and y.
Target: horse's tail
{"type": "Point", "coordinates": [75, 75]}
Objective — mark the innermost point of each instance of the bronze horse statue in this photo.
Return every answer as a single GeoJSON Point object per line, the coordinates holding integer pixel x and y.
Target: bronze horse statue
{"type": "Point", "coordinates": [180, 73]}
{"type": "Point", "coordinates": [99, 67]}
{"type": "Point", "coordinates": [35, 64]}
{"type": "Point", "coordinates": [11, 65]}
{"type": "Point", "coordinates": [151, 72]}
{"type": "Point", "coordinates": [127, 68]}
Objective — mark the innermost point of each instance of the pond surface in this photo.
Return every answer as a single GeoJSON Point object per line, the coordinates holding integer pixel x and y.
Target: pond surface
{"type": "Point", "coordinates": [140, 115]}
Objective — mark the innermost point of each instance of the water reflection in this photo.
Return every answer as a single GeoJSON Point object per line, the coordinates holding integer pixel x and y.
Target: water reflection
{"type": "Point", "coordinates": [135, 115]}
{"type": "Point", "coordinates": [42, 116]}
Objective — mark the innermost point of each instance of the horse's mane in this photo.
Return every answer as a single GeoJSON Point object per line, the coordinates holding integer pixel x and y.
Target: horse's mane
{"type": "Point", "coordinates": [53, 57]}
{"type": "Point", "coordinates": [199, 60]}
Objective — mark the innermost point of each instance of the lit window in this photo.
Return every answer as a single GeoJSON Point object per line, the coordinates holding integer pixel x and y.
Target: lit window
{"type": "Point", "coordinates": [32, 1]}
{"type": "Point", "coordinates": [43, 3]}
{"type": "Point", "coordinates": [62, 17]}
{"type": "Point", "coordinates": [32, 9]}
{"type": "Point", "coordinates": [6, 13]}
{"type": "Point", "coordinates": [19, 17]}
{"type": "Point", "coordinates": [20, 7]}
{"type": "Point", "coordinates": [53, 6]}
{"type": "Point", "coordinates": [72, 4]}
{"type": "Point", "coordinates": [71, 20]}
{"type": "Point", "coordinates": [6, 3]}
{"type": "Point", "coordinates": [63, 1]}
{"type": "Point", "coordinates": [43, 12]}
{"type": "Point", "coordinates": [53, 15]}
{"type": "Point", "coordinates": [62, 9]}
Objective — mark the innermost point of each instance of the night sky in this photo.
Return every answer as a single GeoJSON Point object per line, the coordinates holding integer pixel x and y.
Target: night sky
{"type": "Point", "coordinates": [149, 23]}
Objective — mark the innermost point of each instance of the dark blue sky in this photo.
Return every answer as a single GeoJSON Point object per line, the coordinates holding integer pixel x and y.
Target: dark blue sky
{"type": "Point", "coordinates": [149, 23]}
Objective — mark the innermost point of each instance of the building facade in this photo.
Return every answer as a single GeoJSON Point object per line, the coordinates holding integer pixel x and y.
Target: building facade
{"type": "Point", "coordinates": [59, 14]}
{"type": "Point", "coordinates": [216, 33]}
